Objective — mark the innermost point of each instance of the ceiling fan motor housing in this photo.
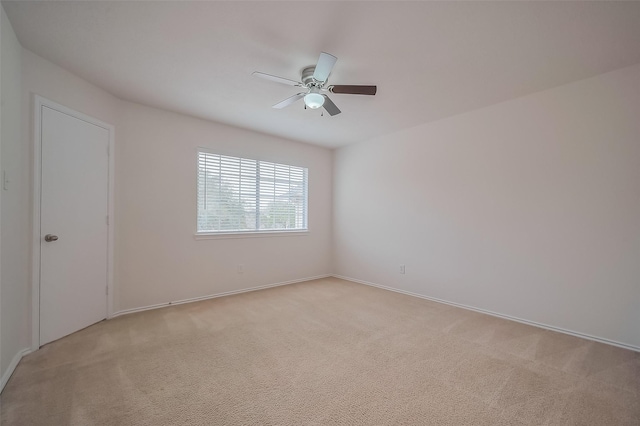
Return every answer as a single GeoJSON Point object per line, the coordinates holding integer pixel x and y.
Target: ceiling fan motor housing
{"type": "Point", "coordinates": [307, 77]}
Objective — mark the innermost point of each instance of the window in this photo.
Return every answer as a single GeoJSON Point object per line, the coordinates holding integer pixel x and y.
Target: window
{"type": "Point", "coordinates": [244, 195]}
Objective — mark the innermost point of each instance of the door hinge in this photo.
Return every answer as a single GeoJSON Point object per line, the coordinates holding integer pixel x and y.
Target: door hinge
{"type": "Point", "coordinates": [107, 219]}
{"type": "Point", "coordinates": [107, 290]}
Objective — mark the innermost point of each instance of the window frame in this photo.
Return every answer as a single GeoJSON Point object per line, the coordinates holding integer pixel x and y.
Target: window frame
{"type": "Point", "coordinates": [250, 233]}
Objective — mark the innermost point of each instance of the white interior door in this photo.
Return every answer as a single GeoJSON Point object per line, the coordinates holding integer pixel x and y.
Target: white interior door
{"type": "Point", "coordinates": [73, 208]}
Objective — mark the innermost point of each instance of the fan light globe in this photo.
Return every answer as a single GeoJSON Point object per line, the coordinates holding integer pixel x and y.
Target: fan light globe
{"type": "Point", "coordinates": [313, 100]}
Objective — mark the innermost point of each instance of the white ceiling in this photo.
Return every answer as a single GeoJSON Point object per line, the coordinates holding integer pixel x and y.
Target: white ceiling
{"type": "Point", "coordinates": [430, 60]}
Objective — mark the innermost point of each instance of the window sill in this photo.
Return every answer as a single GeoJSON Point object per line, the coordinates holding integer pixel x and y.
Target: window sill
{"type": "Point", "coordinates": [252, 234]}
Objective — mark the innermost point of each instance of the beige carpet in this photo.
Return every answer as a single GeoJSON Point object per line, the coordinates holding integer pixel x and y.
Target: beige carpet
{"type": "Point", "coordinates": [326, 352]}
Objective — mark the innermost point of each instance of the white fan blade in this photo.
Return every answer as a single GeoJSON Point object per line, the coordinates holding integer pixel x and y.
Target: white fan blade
{"type": "Point", "coordinates": [277, 79]}
{"type": "Point", "coordinates": [330, 107]}
{"type": "Point", "coordinates": [289, 101]}
{"type": "Point", "coordinates": [324, 66]}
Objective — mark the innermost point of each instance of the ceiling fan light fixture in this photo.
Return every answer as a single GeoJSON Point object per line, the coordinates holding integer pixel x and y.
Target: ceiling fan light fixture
{"type": "Point", "coordinates": [313, 99]}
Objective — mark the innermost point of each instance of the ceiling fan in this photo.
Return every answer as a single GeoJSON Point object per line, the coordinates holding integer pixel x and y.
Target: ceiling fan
{"type": "Point", "coordinates": [314, 81]}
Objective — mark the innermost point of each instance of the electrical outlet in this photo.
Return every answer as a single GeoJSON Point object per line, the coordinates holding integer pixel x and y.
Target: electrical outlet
{"type": "Point", "coordinates": [402, 269]}
{"type": "Point", "coordinates": [240, 269]}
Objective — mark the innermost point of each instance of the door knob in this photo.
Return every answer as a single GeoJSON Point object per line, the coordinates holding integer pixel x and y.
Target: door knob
{"type": "Point", "coordinates": [50, 237]}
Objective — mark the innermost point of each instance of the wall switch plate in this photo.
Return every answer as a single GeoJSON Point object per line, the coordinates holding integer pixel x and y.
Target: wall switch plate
{"type": "Point", "coordinates": [240, 269]}
{"type": "Point", "coordinates": [402, 269]}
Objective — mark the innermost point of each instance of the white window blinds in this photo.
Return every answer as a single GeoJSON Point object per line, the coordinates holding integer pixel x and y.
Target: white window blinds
{"type": "Point", "coordinates": [244, 195]}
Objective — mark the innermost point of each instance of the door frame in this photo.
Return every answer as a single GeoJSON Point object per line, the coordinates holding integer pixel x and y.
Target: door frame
{"type": "Point", "coordinates": [38, 103]}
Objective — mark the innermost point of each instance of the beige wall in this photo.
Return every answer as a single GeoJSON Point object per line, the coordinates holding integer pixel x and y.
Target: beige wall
{"type": "Point", "coordinates": [158, 260]}
{"type": "Point", "coordinates": [41, 77]}
{"type": "Point", "coordinates": [529, 208]}
{"type": "Point", "coordinates": [15, 204]}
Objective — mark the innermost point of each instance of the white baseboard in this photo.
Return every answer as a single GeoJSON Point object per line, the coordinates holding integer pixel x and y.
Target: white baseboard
{"type": "Point", "coordinates": [496, 314]}
{"type": "Point", "coordinates": [12, 367]}
{"type": "Point", "coordinates": [213, 296]}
